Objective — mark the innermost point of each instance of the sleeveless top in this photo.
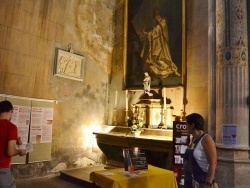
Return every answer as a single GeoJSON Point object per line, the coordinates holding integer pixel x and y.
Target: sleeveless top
{"type": "Point", "coordinates": [200, 156]}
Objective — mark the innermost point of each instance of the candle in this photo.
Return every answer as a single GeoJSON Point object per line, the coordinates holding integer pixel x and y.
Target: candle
{"type": "Point", "coordinates": [164, 98]}
{"type": "Point", "coordinates": [126, 97]}
{"type": "Point", "coordinates": [168, 117]}
{"type": "Point", "coordinates": [116, 94]}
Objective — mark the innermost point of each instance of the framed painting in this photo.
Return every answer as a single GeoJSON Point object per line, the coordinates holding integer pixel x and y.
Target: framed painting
{"type": "Point", "coordinates": [154, 43]}
{"type": "Point", "coordinates": [69, 65]}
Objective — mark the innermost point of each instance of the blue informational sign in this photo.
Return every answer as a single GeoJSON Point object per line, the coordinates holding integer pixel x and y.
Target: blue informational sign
{"type": "Point", "coordinates": [229, 134]}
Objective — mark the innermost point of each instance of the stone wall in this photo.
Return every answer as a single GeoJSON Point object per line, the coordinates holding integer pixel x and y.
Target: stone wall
{"type": "Point", "coordinates": [197, 57]}
{"type": "Point", "coordinates": [29, 33]}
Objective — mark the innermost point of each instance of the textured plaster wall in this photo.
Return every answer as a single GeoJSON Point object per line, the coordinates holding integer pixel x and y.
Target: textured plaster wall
{"type": "Point", "coordinates": [30, 30]}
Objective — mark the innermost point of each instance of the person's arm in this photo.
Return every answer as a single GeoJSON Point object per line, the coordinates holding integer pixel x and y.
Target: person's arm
{"type": "Point", "coordinates": [19, 141]}
{"type": "Point", "coordinates": [210, 151]}
{"type": "Point", "coordinates": [12, 151]}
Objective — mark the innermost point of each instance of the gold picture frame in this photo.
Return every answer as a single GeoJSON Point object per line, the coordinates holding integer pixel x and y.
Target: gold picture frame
{"type": "Point", "coordinates": [140, 21]}
{"type": "Point", "coordinates": [69, 65]}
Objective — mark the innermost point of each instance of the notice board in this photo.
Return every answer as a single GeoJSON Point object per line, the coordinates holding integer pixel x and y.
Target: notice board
{"type": "Point", "coordinates": [34, 120]}
{"type": "Point", "coordinates": [41, 131]}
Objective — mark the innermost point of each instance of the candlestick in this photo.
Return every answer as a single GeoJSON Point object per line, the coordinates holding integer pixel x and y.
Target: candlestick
{"type": "Point", "coordinates": [126, 97]}
{"type": "Point", "coordinates": [164, 98]}
{"type": "Point", "coordinates": [162, 123]}
{"type": "Point", "coordinates": [126, 118]}
{"type": "Point", "coordinates": [168, 117]}
{"type": "Point", "coordinates": [116, 94]}
{"type": "Point", "coordinates": [114, 117]}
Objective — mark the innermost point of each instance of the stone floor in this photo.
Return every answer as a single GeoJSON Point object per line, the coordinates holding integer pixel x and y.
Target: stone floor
{"type": "Point", "coordinates": [71, 178]}
{"type": "Point", "coordinates": [46, 182]}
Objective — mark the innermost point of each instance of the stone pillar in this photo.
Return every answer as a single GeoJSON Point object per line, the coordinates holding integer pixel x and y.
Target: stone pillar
{"type": "Point", "coordinates": [232, 92]}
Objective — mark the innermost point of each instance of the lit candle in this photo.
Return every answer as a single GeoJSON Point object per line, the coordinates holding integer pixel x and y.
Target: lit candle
{"type": "Point", "coordinates": [126, 97]}
{"type": "Point", "coordinates": [164, 98]}
{"type": "Point", "coordinates": [116, 94]}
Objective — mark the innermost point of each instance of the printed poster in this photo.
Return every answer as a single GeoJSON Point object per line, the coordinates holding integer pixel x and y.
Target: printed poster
{"type": "Point", "coordinates": [21, 118]}
{"type": "Point", "coordinates": [229, 134]}
{"type": "Point", "coordinates": [135, 157]}
{"type": "Point", "coordinates": [181, 139]}
{"type": "Point", "coordinates": [41, 125]}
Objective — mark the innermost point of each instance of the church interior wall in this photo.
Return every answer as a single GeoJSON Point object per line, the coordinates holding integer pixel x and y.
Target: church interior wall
{"type": "Point", "coordinates": [29, 33]}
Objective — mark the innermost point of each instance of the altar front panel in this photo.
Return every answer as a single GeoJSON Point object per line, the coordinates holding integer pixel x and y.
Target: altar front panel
{"type": "Point", "coordinates": [157, 143]}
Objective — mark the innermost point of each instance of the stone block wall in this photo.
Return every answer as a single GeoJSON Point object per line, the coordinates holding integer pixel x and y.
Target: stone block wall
{"type": "Point", "coordinates": [30, 31]}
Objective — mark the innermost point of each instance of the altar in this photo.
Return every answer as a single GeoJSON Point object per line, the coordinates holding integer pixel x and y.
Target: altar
{"type": "Point", "coordinates": [158, 144]}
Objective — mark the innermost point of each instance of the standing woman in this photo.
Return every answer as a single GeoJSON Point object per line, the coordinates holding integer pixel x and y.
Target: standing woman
{"type": "Point", "coordinates": [202, 155]}
{"type": "Point", "coordinates": [8, 141]}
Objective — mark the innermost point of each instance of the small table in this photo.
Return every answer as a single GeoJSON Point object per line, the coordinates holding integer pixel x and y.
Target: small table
{"type": "Point", "coordinates": [153, 177]}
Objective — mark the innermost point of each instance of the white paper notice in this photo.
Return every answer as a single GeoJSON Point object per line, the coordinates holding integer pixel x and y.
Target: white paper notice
{"type": "Point", "coordinates": [41, 125]}
{"type": "Point", "coordinates": [21, 118]}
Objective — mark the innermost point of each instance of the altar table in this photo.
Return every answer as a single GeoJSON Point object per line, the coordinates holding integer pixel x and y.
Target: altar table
{"type": "Point", "coordinates": [153, 177]}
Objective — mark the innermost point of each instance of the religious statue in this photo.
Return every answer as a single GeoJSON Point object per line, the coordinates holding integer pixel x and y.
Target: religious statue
{"type": "Point", "coordinates": [146, 83]}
